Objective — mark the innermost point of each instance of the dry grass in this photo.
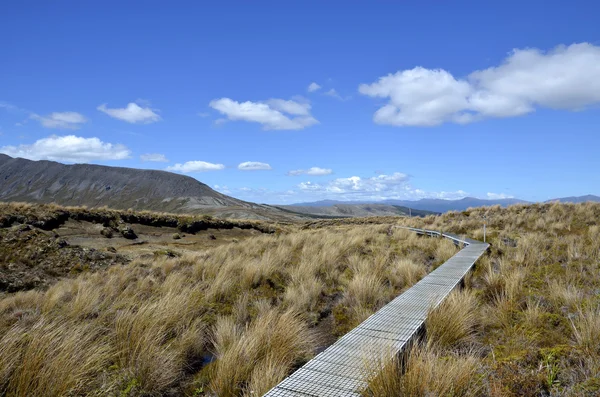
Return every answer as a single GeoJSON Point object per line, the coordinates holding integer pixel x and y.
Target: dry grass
{"type": "Point", "coordinates": [152, 325]}
{"type": "Point", "coordinates": [586, 330]}
{"type": "Point", "coordinates": [428, 373]}
{"type": "Point", "coordinates": [258, 355]}
{"type": "Point", "coordinates": [533, 311]}
{"type": "Point", "coordinates": [148, 328]}
{"type": "Point", "coordinates": [453, 323]}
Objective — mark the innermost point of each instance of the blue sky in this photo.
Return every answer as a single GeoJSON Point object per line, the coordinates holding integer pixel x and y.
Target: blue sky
{"type": "Point", "coordinates": [312, 99]}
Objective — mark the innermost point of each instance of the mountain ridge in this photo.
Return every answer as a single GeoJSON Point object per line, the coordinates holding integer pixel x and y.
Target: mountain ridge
{"type": "Point", "coordinates": [93, 185]}
{"type": "Point", "coordinates": [428, 204]}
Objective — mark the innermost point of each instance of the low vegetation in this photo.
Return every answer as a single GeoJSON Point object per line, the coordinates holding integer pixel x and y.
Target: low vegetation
{"type": "Point", "coordinates": [527, 322]}
{"type": "Point", "coordinates": [231, 320]}
{"type": "Point", "coordinates": [234, 320]}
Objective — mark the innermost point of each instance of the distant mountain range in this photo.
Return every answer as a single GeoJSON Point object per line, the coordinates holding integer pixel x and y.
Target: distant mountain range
{"type": "Point", "coordinates": [355, 210]}
{"type": "Point", "coordinates": [577, 199]}
{"type": "Point", "coordinates": [333, 207]}
{"type": "Point", "coordinates": [123, 188]}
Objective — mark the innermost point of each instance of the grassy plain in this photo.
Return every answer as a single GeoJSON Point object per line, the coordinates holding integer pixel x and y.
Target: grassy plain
{"type": "Point", "coordinates": [236, 318]}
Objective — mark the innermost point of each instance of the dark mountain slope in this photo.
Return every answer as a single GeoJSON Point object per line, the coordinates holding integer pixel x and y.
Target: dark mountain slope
{"type": "Point", "coordinates": [115, 187]}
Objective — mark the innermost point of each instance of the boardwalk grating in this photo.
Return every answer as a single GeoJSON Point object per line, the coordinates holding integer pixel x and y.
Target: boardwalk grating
{"type": "Point", "coordinates": [343, 368]}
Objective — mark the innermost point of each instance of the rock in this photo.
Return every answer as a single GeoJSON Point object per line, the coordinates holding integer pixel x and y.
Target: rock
{"type": "Point", "coordinates": [212, 237]}
{"type": "Point", "coordinates": [128, 233]}
{"type": "Point", "coordinates": [61, 243]}
{"type": "Point", "coordinates": [111, 249]}
{"type": "Point", "coordinates": [107, 232]}
{"type": "Point", "coordinates": [176, 236]}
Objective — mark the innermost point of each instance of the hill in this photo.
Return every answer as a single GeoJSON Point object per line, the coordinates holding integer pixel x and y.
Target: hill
{"type": "Point", "coordinates": [577, 199]}
{"type": "Point", "coordinates": [120, 188]}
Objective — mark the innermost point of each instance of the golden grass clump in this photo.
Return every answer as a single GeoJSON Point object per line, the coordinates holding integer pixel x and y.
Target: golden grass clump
{"type": "Point", "coordinates": [586, 330]}
{"type": "Point", "coordinates": [453, 322]}
{"type": "Point", "coordinates": [53, 358]}
{"type": "Point", "coordinates": [272, 339]}
{"type": "Point", "coordinates": [428, 373]}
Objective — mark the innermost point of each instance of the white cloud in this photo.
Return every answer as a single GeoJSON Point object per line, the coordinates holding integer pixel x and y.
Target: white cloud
{"type": "Point", "coordinates": [312, 87]}
{"type": "Point", "coordinates": [496, 196]}
{"type": "Point", "coordinates": [62, 120]}
{"type": "Point", "coordinates": [222, 189]}
{"type": "Point", "coordinates": [380, 187]}
{"type": "Point", "coordinates": [311, 171]}
{"type": "Point", "coordinates": [195, 166]}
{"type": "Point", "coordinates": [203, 114]}
{"type": "Point", "coordinates": [253, 166]}
{"type": "Point", "coordinates": [291, 107]}
{"type": "Point", "coordinates": [333, 93]}
{"type": "Point", "coordinates": [356, 184]}
{"type": "Point", "coordinates": [156, 157]}
{"type": "Point", "coordinates": [68, 148]}
{"type": "Point", "coordinates": [567, 77]}
{"type": "Point", "coordinates": [133, 113]}
{"type": "Point", "coordinates": [274, 114]}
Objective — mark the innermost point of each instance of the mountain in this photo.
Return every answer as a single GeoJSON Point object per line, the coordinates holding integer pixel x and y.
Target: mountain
{"type": "Point", "coordinates": [430, 205]}
{"type": "Point", "coordinates": [353, 210]}
{"type": "Point", "coordinates": [119, 188]}
{"type": "Point", "coordinates": [576, 199]}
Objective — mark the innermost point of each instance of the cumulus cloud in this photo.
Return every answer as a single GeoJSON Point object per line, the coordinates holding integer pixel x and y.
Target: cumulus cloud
{"type": "Point", "coordinates": [356, 184]}
{"type": "Point", "coordinates": [62, 120]}
{"type": "Point", "coordinates": [567, 77]}
{"type": "Point", "coordinates": [497, 196]}
{"type": "Point", "coordinates": [312, 87]}
{"type": "Point", "coordinates": [274, 114]}
{"type": "Point", "coordinates": [253, 166]}
{"type": "Point", "coordinates": [380, 187]}
{"type": "Point", "coordinates": [195, 166]}
{"type": "Point", "coordinates": [311, 171]}
{"type": "Point", "coordinates": [133, 113]}
{"type": "Point", "coordinates": [156, 157]}
{"type": "Point", "coordinates": [68, 148]}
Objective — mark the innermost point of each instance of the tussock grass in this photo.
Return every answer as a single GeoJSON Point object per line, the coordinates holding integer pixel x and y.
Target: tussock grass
{"type": "Point", "coordinates": [428, 373]}
{"type": "Point", "coordinates": [44, 359]}
{"type": "Point", "coordinates": [453, 323]}
{"type": "Point", "coordinates": [155, 323]}
{"type": "Point", "coordinates": [258, 355]}
{"type": "Point", "coordinates": [535, 305]}
{"type": "Point", "coordinates": [586, 330]}
{"type": "Point", "coordinates": [532, 310]}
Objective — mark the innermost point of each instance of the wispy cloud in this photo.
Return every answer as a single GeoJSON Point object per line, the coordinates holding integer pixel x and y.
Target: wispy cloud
{"type": "Point", "coordinates": [253, 166]}
{"type": "Point", "coordinates": [274, 114]}
{"type": "Point", "coordinates": [312, 87]}
{"type": "Point", "coordinates": [155, 157]}
{"type": "Point", "coordinates": [334, 94]}
{"type": "Point", "coordinates": [496, 196]}
{"type": "Point", "coordinates": [61, 120]}
{"type": "Point", "coordinates": [311, 171]}
{"type": "Point", "coordinates": [132, 113]}
{"type": "Point", "coordinates": [195, 166]}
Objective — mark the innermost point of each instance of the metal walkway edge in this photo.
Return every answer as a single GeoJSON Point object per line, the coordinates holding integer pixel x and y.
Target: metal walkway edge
{"type": "Point", "coordinates": [342, 369]}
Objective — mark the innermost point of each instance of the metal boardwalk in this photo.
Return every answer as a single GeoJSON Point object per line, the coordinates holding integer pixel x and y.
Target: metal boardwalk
{"type": "Point", "coordinates": [341, 369]}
